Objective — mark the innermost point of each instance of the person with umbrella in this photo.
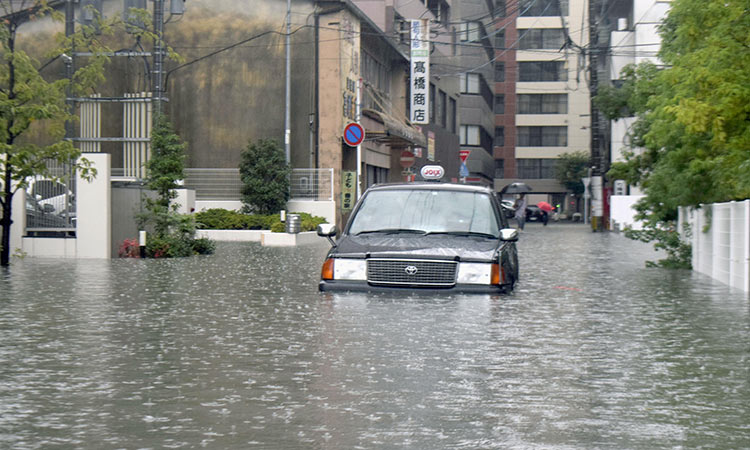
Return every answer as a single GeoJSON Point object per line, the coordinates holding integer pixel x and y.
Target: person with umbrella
{"type": "Point", "coordinates": [521, 211]}
{"type": "Point", "coordinates": [546, 209]}
{"type": "Point", "coordinates": [520, 205]}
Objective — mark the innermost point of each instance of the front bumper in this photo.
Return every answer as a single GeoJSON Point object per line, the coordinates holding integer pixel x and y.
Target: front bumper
{"type": "Point", "coordinates": [363, 286]}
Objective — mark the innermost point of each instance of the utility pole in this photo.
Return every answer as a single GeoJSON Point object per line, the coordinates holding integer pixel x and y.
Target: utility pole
{"type": "Point", "coordinates": [70, 24]}
{"type": "Point", "coordinates": [158, 72]}
{"type": "Point", "coordinates": [287, 124]}
{"type": "Point", "coordinates": [597, 166]}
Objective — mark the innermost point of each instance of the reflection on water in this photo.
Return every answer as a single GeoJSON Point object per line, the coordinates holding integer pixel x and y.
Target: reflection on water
{"type": "Point", "coordinates": [239, 350]}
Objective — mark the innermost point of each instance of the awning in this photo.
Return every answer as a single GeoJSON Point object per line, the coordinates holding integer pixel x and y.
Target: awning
{"type": "Point", "coordinates": [394, 132]}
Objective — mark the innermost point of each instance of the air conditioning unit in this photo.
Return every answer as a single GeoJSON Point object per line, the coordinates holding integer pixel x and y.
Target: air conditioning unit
{"type": "Point", "coordinates": [620, 187]}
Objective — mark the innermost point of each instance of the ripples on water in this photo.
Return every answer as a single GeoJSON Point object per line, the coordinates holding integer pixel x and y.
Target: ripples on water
{"type": "Point", "coordinates": [239, 350]}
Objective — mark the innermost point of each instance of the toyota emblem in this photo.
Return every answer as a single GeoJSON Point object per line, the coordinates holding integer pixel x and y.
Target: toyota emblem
{"type": "Point", "coordinates": [410, 270]}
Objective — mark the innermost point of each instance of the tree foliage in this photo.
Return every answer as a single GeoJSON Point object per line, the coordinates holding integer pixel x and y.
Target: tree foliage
{"type": "Point", "coordinates": [172, 234]}
{"type": "Point", "coordinates": [571, 167]}
{"type": "Point", "coordinates": [27, 99]}
{"type": "Point", "coordinates": [692, 132]}
{"type": "Point", "coordinates": [265, 177]}
{"type": "Point", "coordinates": [690, 143]}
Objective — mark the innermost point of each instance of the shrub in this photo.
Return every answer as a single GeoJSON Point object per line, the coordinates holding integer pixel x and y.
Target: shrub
{"type": "Point", "coordinates": [129, 249]}
{"type": "Point", "coordinates": [222, 219]}
{"type": "Point", "coordinates": [204, 246]}
{"type": "Point", "coordinates": [265, 177]}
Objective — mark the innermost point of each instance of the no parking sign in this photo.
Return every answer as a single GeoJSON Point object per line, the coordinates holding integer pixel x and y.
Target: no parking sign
{"type": "Point", "coordinates": [354, 134]}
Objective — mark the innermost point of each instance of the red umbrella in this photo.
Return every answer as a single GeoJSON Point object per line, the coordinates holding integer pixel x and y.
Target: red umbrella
{"type": "Point", "coordinates": [544, 206]}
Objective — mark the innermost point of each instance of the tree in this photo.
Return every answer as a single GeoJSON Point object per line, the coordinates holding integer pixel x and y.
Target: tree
{"type": "Point", "coordinates": [571, 167]}
{"type": "Point", "coordinates": [691, 140]}
{"type": "Point", "coordinates": [28, 100]}
{"type": "Point", "coordinates": [265, 177]}
{"type": "Point", "coordinates": [165, 168]}
{"type": "Point", "coordinates": [173, 233]}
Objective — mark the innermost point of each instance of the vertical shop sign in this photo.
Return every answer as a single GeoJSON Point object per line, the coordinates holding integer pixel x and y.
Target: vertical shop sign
{"type": "Point", "coordinates": [431, 145]}
{"type": "Point", "coordinates": [420, 71]}
{"type": "Point", "coordinates": [349, 63]}
{"type": "Point", "coordinates": [348, 189]}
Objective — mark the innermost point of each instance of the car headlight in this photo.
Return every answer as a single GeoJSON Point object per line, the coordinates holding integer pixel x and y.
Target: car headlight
{"type": "Point", "coordinates": [474, 273]}
{"type": "Point", "coordinates": [349, 269]}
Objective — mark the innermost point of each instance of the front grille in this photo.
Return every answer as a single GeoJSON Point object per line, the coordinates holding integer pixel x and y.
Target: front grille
{"type": "Point", "coordinates": [412, 272]}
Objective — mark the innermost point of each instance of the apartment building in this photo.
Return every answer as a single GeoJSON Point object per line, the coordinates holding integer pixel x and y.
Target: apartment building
{"type": "Point", "coordinates": [542, 93]}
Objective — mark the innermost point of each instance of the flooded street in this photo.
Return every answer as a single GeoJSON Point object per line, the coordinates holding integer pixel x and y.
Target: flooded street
{"type": "Point", "coordinates": [240, 350]}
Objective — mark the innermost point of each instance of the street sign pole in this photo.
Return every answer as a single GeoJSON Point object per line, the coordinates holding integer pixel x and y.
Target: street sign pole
{"type": "Point", "coordinates": [359, 146]}
{"type": "Point", "coordinates": [586, 196]}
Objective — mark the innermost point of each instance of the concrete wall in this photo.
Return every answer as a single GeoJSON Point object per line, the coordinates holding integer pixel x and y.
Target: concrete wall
{"type": "Point", "coordinates": [621, 212]}
{"type": "Point", "coordinates": [322, 209]}
{"type": "Point", "coordinates": [93, 210]}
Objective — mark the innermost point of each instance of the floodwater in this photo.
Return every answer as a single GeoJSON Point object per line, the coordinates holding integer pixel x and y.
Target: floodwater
{"type": "Point", "coordinates": [240, 350]}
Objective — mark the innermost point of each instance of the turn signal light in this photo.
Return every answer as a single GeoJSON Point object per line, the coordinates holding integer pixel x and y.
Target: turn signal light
{"type": "Point", "coordinates": [497, 274]}
{"type": "Point", "coordinates": [327, 272]}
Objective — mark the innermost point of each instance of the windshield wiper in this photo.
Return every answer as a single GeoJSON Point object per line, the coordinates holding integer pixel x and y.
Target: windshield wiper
{"type": "Point", "coordinates": [465, 233]}
{"type": "Point", "coordinates": [392, 231]}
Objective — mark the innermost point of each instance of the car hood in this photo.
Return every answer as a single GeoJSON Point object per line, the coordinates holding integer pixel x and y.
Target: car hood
{"type": "Point", "coordinates": [431, 246]}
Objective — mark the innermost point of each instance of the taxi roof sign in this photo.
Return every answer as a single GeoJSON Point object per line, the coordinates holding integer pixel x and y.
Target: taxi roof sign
{"type": "Point", "coordinates": [433, 172]}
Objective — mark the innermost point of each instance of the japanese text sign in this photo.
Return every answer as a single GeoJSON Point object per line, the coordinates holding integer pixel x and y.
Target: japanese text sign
{"type": "Point", "coordinates": [420, 71]}
{"type": "Point", "coordinates": [348, 189]}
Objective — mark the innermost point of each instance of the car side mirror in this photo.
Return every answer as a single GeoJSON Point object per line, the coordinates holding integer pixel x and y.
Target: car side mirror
{"type": "Point", "coordinates": [509, 234]}
{"type": "Point", "coordinates": [327, 230]}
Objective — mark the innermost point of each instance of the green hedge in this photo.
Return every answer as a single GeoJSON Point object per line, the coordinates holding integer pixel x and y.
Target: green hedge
{"type": "Point", "coordinates": [224, 219]}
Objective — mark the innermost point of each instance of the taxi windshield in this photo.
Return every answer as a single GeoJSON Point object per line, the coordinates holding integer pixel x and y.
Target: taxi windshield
{"type": "Point", "coordinates": [426, 211]}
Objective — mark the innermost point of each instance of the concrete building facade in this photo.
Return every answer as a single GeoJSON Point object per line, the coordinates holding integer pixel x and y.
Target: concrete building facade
{"type": "Point", "coordinates": [542, 92]}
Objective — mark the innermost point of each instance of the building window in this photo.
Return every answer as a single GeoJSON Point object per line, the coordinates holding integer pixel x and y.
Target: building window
{"type": "Point", "coordinates": [542, 71]}
{"type": "Point", "coordinates": [499, 71]}
{"type": "Point", "coordinates": [378, 77]}
{"type": "Point", "coordinates": [470, 83]}
{"type": "Point", "coordinates": [543, 8]}
{"type": "Point", "coordinates": [500, 104]}
{"type": "Point", "coordinates": [542, 136]}
{"type": "Point", "coordinates": [499, 168]}
{"type": "Point", "coordinates": [451, 114]}
{"type": "Point", "coordinates": [538, 38]}
{"type": "Point", "coordinates": [469, 135]}
{"type": "Point", "coordinates": [542, 103]}
{"type": "Point", "coordinates": [536, 168]}
{"type": "Point", "coordinates": [440, 109]}
{"type": "Point", "coordinates": [500, 40]}
{"type": "Point", "coordinates": [432, 103]}
{"type": "Point", "coordinates": [499, 136]}
{"type": "Point", "coordinates": [376, 175]}
{"type": "Point", "coordinates": [500, 9]}
{"type": "Point", "coordinates": [469, 31]}
{"type": "Point", "coordinates": [439, 9]}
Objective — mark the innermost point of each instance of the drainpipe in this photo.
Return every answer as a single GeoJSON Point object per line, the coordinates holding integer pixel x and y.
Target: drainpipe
{"type": "Point", "coordinates": [287, 124]}
{"type": "Point", "coordinates": [316, 78]}
{"type": "Point", "coordinates": [158, 74]}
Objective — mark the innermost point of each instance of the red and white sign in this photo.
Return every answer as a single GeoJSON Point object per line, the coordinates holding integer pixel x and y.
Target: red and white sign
{"type": "Point", "coordinates": [354, 134]}
{"type": "Point", "coordinates": [407, 159]}
{"type": "Point", "coordinates": [463, 154]}
{"type": "Point", "coordinates": [432, 172]}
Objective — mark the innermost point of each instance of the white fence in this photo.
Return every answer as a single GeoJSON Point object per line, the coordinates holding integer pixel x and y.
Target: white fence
{"type": "Point", "coordinates": [312, 184]}
{"type": "Point", "coordinates": [225, 184]}
{"type": "Point", "coordinates": [720, 237]}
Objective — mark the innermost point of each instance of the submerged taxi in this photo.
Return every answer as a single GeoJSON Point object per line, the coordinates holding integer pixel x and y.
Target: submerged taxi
{"type": "Point", "coordinates": [423, 236]}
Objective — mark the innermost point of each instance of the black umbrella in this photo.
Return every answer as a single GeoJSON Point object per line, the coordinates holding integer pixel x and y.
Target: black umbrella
{"type": "Point", "coordinates": [516, 188]}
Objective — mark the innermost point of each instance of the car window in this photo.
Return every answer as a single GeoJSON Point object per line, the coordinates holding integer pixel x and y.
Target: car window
{"type": "Point", "coordinates": [429, 211]}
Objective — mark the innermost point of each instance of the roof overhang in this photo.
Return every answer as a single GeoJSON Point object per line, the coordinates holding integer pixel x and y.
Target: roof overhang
{"type": "Point", "coordinates": [394, 133]}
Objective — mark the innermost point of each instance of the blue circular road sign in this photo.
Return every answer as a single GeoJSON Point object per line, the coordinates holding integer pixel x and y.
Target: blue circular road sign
{"type": "Point", "coordinates": [354, 134]}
